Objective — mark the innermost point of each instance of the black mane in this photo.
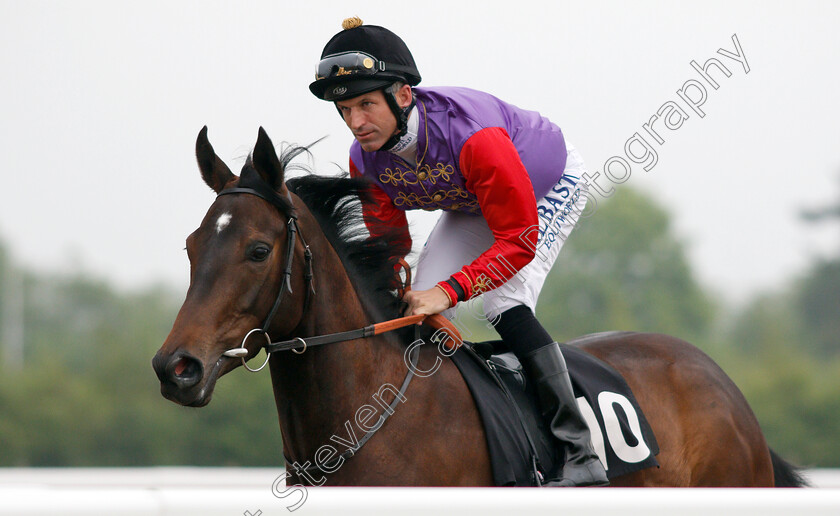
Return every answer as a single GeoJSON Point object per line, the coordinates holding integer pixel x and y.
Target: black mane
{"type": "Point", "coordinates": [336, 203]}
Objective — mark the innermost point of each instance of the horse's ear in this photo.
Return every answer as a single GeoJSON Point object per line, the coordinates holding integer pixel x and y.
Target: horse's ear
{"type": "Point", "coordinates": [267, 163]}
{"type": "Point", "coordinates": [213, 170]}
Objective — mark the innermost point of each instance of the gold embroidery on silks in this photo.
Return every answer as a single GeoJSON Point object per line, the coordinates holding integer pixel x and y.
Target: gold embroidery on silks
{"type": "Point", "coordinates": [398, 176]}
{"type": "Point", "coordinates": [437, 201]}
{"type": "Point", "coordinates": [389, 177]}
{"type": "Point", "coordinates": [440, 171]}
{"type": "Point", "coordinates": [460, 192]}
{"type": "Point", "coordinates": [411, 200]}
{"type": "Point", "coordinates": [471, 207]}
{"type": "Point", "coordinates": [423, 175]}
{"type": "Point", "coordinates": [482, 284]}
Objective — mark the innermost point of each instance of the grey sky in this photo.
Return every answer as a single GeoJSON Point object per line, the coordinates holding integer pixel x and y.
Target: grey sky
{"type": "Point", "coordinates": [101, 103]}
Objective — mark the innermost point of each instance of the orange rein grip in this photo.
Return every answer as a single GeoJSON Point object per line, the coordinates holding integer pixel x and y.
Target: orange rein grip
{"type": "Point", "coordinates": [440, 322]}
{"type": "Point", "coordinates": [393, 324]}
{"type": "Point", "coordinates": [436, 321]}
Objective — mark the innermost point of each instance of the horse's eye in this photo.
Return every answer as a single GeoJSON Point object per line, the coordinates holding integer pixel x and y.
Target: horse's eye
{"type": "Point", "coordinates": [259, 253]}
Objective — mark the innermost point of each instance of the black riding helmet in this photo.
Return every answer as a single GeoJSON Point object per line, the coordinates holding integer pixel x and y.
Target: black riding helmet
{"type": "Point", "coordinates": [361, 59]}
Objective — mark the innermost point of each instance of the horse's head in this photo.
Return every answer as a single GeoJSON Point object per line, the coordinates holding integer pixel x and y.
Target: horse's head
{"type": "Point", "coordinates": [237, 257]}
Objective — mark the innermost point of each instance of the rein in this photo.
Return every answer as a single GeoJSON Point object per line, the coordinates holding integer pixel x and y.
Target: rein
{"type": "Point", "coordinates": [361, 333]}
{"type": "Point", "coordinates": [436, 321]}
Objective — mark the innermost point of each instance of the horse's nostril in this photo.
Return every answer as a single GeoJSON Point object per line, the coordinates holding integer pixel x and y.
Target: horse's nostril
{"type": "Point", "coordinates": [186, 371]}
{"type": "Point", "coordinates": [181, 366]}
{"type": "Point", "coordinates": [182, 370]}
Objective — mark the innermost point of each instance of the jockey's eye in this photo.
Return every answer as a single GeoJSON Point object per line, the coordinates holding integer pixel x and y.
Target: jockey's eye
{"type": "Point", "coordinates": [258, 252]}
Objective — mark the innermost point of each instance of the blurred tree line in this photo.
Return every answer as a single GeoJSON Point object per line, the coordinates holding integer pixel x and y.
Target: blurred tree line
{"type": "Point", "coordinates": [84, 393]}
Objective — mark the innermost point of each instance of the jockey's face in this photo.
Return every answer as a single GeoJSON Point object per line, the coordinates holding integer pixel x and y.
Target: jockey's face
{"type": "Point", "coordinates": [370, 118]}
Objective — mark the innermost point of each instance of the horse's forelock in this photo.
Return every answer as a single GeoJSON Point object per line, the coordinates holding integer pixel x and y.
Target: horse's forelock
{"type": "Point", "coordinates": [250, 178]}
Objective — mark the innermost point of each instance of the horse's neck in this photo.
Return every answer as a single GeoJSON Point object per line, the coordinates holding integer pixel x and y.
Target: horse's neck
{"type": "Point", "coordinates": [320, 390]}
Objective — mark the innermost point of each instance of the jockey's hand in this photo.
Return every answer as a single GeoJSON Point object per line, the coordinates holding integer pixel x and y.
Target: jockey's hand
{"type": "Point", "coordinates": [429, 302]}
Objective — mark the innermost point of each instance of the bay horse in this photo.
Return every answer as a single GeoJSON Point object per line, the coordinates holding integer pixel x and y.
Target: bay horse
{"type": "Point", "coordinates": [299, 252]}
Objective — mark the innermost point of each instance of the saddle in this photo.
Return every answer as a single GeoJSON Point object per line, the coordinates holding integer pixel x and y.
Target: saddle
{"type": "Point", "coordinates": [522, 451]}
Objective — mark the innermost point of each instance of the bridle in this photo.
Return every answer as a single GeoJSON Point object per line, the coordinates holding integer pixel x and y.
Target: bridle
{"type": "Point", "coordinates": [298, 345]}
{"type": "Point", "coordinates": [292, 231]}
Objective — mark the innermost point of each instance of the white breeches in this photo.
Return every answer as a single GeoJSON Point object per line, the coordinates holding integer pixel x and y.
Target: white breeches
{"type": "Point", "coordinates": [459, 238]}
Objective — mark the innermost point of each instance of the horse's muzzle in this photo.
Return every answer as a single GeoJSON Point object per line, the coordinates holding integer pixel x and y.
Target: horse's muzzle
{"type": "Point", "coordinates": [177, 372]}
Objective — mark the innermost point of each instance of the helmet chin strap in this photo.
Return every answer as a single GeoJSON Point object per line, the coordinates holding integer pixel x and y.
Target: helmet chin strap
{"type": "Point", "coordinates": [400, 113]}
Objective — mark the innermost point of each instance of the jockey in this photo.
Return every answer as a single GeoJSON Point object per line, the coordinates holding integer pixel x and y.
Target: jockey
{"type": "Point", "coordinates": [510, 188]}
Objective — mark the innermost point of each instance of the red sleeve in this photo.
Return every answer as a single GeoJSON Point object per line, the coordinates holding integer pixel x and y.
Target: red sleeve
{"type": "Point", "coordinates": [495, 174]}
{"type": "Point", "coordinates": [381, 214]}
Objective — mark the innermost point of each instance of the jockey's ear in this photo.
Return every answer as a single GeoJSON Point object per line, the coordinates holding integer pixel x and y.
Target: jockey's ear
{"type": "Point", "coordinates": [266, 162]}
{"type": "Point", "coordinates": [213, 170]}
{"type": "Point", "coordinates": [403, 96]}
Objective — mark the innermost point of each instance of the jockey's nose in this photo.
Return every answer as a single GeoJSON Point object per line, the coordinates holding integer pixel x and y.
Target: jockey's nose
{"type": "Point", "coordinates": [355, 119]}
{"type": "Point", "coordinates": [180, 369]}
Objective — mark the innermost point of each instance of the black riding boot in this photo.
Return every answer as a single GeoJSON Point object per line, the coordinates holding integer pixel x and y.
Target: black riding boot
{"type": "Point", "coordinates": [545, 366]}
{"type": "Point", "coordinates": [547, 369]}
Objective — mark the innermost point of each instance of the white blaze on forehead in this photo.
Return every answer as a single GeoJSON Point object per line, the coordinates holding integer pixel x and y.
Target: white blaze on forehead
{"type": "Point", "coordinates": [222, 222]}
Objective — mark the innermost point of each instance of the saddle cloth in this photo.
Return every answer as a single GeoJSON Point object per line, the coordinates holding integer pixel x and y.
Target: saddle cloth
{"type": "Point", "coordinates": [517, 436]}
